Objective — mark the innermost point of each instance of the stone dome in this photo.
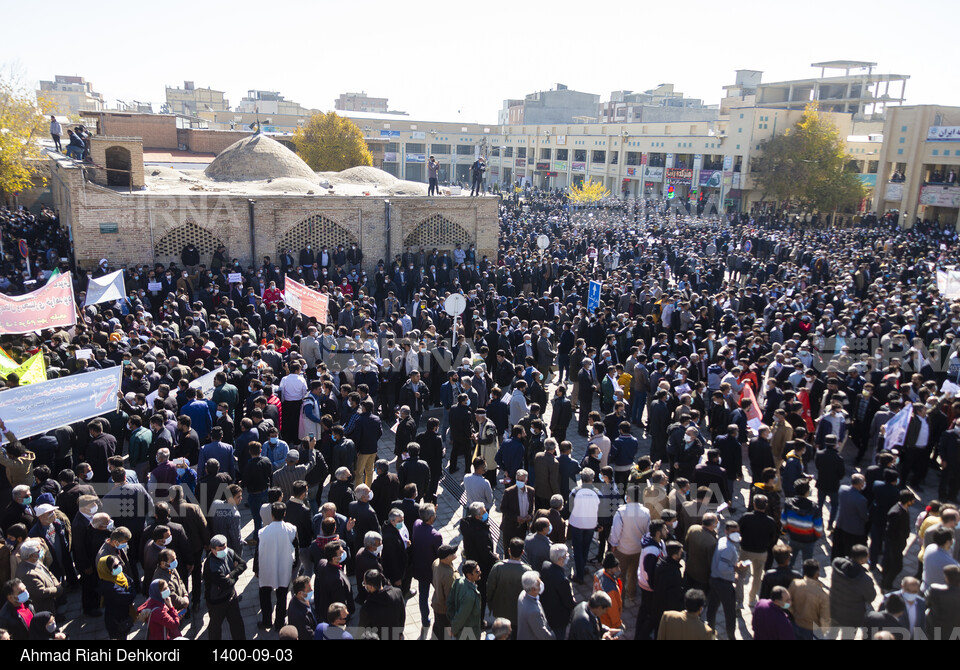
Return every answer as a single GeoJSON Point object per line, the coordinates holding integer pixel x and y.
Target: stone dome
{"type": "Point", "coordinates": [258, 158]}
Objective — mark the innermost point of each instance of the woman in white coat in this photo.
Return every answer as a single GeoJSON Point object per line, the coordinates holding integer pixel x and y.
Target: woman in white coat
{"type": "Point", "coordinates": [273, 565]}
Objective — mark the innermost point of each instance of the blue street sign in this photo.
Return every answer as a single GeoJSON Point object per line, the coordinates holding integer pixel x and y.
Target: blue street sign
{"type": "Point", "coordinates": [593, 297]}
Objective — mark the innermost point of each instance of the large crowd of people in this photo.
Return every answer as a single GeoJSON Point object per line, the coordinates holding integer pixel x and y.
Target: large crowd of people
{"type": "Point", "coordinates": [759, 414]}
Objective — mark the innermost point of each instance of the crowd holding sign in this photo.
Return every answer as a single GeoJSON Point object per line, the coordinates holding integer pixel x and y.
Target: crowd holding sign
{"type": "Point", "coordinates": [305, 300]}
{"type": "Point", "coordinates": [108, 288]}
{"type": "Point", "coordinates": [37, 408]}
{"type": "Point", "coordinates": [49, 307]}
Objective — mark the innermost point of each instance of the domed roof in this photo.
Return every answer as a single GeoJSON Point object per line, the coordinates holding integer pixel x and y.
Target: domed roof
{"type": "Point", "coordinates": [258, 158]}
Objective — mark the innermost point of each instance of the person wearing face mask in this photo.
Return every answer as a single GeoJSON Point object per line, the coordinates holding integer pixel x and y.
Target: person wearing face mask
{"type": "Point", "coordinates": [531, 619]}
{"type": "Point", "coordinates": [17, 611]}
{"type": "Point", "coordinates": [167, 565]}
{"type": "Point", "coordinates": [330, 581]}
{"type": "Point", "coordinates": [221, 571]}
{"type": "Point", "coordinates": [163, 621]}
{"type": "Point", "coordinates": [770, 618]}
{"type": "Point", "coordinates": [118, 594]}
{"type": "Point", "coordinates": [725, 569]}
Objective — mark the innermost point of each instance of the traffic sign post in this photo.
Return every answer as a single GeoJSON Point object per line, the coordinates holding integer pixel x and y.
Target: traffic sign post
{"type": "Point", "coordinates": [25, 252]}
{"type": "Point", "coordinates": [593, 296]}
{"type": "Point", "coordinates": [454, 305]}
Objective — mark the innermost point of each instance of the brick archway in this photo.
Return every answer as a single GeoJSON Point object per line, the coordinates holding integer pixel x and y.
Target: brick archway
{"type": "Point", "coordinates": [169, 247]}
{"type": "Point", "coordinates": [318, 231]}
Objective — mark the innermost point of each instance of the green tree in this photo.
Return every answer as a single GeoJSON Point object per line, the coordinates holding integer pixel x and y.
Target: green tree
{"type": "Point", "coordinates": [22, 123]}
{"type": "Point", "coordinates": [331, 143]}
{"type": "Point", "coordinates": [805, 167]}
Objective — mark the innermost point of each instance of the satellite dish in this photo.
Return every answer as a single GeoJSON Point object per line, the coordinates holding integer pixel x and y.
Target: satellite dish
{"type": "Point", "coordinates": [543, 242]}
{"type": "Point", "coordinates": [455, 304]}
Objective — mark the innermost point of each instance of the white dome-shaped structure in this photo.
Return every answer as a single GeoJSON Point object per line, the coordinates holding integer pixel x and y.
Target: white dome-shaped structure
{"type": "Point", "coordinates": [258, 158]}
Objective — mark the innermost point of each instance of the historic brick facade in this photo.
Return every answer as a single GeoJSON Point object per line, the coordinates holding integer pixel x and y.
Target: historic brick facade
{"type": "Point", "coordinates": [154, 227]}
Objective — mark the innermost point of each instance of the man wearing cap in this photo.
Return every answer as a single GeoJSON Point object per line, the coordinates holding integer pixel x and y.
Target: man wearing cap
{"type": "Point", "coordinates": [293, 470]}
{"type": "Point", "coordinates": [221, 571]}
{"type": "Point", "coordinates": [54, 534]}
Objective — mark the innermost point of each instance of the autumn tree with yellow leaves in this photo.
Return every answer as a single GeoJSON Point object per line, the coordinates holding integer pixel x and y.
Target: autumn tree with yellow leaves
{"type": "Point", "coordinates": [23, 123]}
{"type": "Point", "coordinates": [806, 166]}
{"type": "Point", "coordinates": [331, 143]}
{"type": "Point", "coordinates": [587, 192]}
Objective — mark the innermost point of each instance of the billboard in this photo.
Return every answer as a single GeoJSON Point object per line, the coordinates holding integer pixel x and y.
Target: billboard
{"type": "Point", "coordinates": [679, 176]}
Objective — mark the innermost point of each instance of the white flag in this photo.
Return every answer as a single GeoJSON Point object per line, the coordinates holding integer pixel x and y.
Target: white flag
{"type": "Point", "coordinates": [107, 288]}
{"type": "Point", "coordinates": [896, 428]}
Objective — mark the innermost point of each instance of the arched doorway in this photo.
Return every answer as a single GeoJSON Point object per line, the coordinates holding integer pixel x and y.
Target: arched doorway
{"type": "Point", "coordinates": [317, 231]}
{"type": "Point", "coordinates": [118, 166]}
{"type": "Point", "coordinates": [437, 232]}
{"type": "Point", "coordinates": [169, 247]}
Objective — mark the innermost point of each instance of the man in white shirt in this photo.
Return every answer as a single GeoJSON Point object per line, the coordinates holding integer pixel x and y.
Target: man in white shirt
{"type": "Point", "coordinates": [293, 389]}
{"type": "Point", "coordinates": [630, 524]}
{"type": "Point", "coordinates": [584, 505]}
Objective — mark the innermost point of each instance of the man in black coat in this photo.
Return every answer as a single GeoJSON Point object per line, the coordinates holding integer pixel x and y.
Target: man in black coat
{"type": "Point", "coordinates": [414, 471]}
{"type": "Point", "coordinates": [587, 389]}
{"type": "Point", "coordinates": [668, 586]}
{"type": "Point", "coordinates": [462, 428]}
{"type": "Point", "coordinates": [943, 605]}
{"type": "Point", "coordinates": [431, 453]}
{"type": "Point", "coordinates": [556, 597]}
{"type": "Point", "coordinates": [299, 610]}
{"type": "Point", "coordinates": [384, 610]}
{"type": "Point", "coordinates": [406, 431]}
{"type": "Point", "coordinates": [658, 419]}
{"type": "Point", "coordinates": [895, 538]}
{"type": "Point", "coordinates": [561, 416]}
{"type": "Point", "coordinates": [365, 515]}
{"type": "Point", "coordinates": [385, 488]}
{"type": "Point", "coordinates": [830, 472]}
{"type": "Point", "coordinates": [478, 545]}
{"type": "Point", "coordinates": [341, 491]}
{"type": "Point", "coordinates": [330, 583]}
{"type": "Point", "coordinates": [395, 557]}
{"type": "Point", "coordinates": [711, 475]}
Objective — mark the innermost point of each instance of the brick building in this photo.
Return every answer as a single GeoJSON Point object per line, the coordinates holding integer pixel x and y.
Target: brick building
{"type": "Point", "coordinates": [153, 225]}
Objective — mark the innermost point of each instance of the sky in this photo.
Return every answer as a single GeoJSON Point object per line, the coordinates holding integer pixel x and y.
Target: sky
{"type": "Point", "coordinates": [445, 61]}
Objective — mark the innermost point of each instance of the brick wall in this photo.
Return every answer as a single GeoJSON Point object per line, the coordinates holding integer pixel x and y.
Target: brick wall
{"type": "Point", "coordinates": [158, 131]}
{"type": "Point", "coordinates": [144, 219]}
{"type": "Point", "coordinates": [209, 141]}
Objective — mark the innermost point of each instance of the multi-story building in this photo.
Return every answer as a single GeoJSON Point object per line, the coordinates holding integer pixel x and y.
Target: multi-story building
{"type": "Point", "coordinates": [190, 100]}
{"type": "Point", "coordinates": [360, 102]}
{"type": "Point", "coordinates": [662, 103]}
{"type": "Point", "coordinates": [559, 105]}
{"type": "Point", "coordinates": [408, 144]}
{"type": "Point", "coordinates": [918, 165]}
{"type": "Point", "coordinates": [270, 102]}
{"type": "Point", "coordinates": [69, 95]}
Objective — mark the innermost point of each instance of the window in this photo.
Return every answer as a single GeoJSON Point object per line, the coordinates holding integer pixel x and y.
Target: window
{"type": "Point", "coordinates": [614, 158]}
{"type": "Point", "coordinates": [693, 130]}
{"type": "Point", "coordinates": [508, 152]}
{"type": "Point", "coordinates": [633, 158]}
{"type": "Point", "coordinates": [936, 152]}
{"type": "Point", "coordinates": [443, 148]}
{"type": "Point", "coordinates": [666, 130]}
{"type": "Point", "coordinates": [899, 152]}
{"type": "Point", "coordinates": [464, 149]}
{"type": "Point", "coordinates": [562, 154]}
{"type": "Point", "coordinates": [392, 147]}
{"type": "Point", "coordinates": [544, 154]}
{"type": "Point", "coordinates": [495, 151]}
{"type": "Point", "coordinates": [416, 147]}
{"type": "Point", "coordinates": [741, 115]}
{"type": "Point", "coordinates": [903, 129]}
{"type": "Point", "coordinates": [872, 167]}
{"type": "Point", "coordinates": [580, 155]}
{"type": "Point", "coordinates": [739, 130]}
{"type": "Point", "coordinates": [413, 126]}
{"type": "Point", "coordinates": [643, 130]}
{"type": "Point", "coordinates": [599, 157]}
{"type": "Point", "coordinates": [521, 152]}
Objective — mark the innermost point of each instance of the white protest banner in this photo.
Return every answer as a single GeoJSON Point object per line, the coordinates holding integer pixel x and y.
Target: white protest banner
{"type": "Point", "coordinates": [107, 288]}
{"type": "Point", "coordinates": [154, 286]}
{"type": "Point", "coordinates": [235, 278]}
{"type": "Point", "coordinates": [204, 383]}
{"type": "Point", "coordinates": [950, 389]}
{"type": "Point", "coordinates": [37, 408]}
{"type": "Point", "coordinates": [948, 283]}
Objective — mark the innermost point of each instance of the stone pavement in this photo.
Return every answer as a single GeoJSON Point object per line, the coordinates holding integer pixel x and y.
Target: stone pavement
{"type": "Point", "coordinates": [448, 515]}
